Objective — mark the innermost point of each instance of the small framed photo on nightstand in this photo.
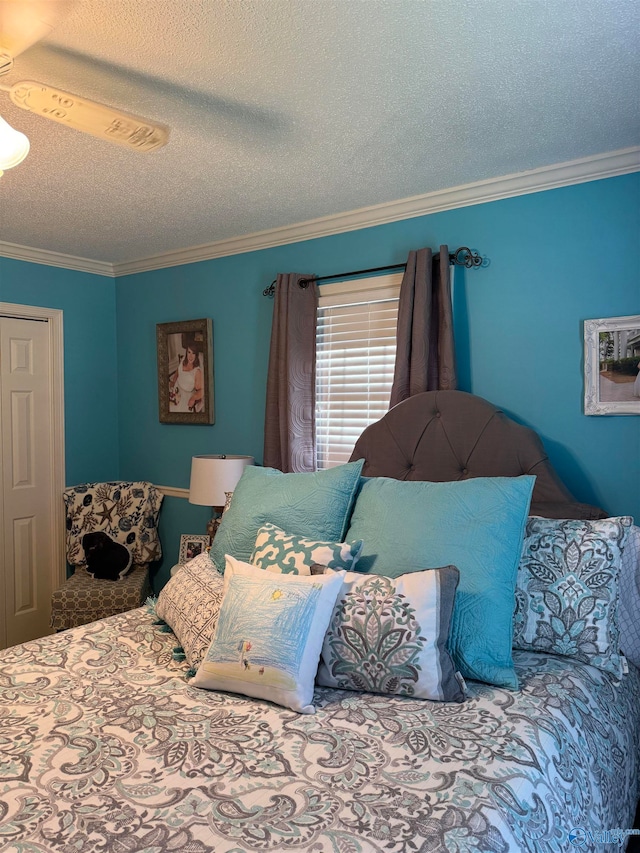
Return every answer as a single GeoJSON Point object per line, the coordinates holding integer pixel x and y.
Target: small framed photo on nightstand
{"type": "Point", "coordinates": [191, 545]}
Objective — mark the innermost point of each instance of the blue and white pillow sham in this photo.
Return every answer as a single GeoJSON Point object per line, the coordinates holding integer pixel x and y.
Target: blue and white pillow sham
{"type": "Point", "coordinates": [567, 589]}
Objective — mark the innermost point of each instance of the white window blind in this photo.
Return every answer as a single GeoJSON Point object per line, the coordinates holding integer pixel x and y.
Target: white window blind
{"type": "Point", "coordinates": [355, 359]}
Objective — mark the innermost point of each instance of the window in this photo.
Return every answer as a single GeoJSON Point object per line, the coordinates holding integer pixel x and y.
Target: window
{"type": "Point", "coordinates": [355, 359]}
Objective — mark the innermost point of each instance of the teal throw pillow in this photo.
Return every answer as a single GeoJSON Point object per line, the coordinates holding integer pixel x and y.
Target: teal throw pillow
{"type": "Point", "coordinates": [316, 505]}
{"type": "Point", "coordinates": [476, 525]}
{"type": "Point", "coordinates": [278, 551]}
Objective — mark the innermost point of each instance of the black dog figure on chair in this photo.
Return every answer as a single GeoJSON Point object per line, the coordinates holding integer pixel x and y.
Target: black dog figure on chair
{"type": "Point", "coordinates": [106, 559]}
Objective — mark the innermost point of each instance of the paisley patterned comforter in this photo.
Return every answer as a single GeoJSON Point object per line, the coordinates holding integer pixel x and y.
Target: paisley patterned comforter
{"type": "Point", "coordinates": [105, 747]}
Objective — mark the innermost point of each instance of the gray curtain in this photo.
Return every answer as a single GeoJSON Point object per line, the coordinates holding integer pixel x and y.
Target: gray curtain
{"type": "Point", "coordinates": [290, 427]}
{"type": "Point", "coordinates": [425, 356]}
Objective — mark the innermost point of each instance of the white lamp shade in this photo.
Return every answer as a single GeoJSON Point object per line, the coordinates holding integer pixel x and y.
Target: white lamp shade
{"type": "Point", "coordinates": [212, 476]}
{"type": "Point", "coordinates": [14, 146]}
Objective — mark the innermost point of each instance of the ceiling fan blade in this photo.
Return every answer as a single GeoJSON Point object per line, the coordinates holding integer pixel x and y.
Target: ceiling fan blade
{"type": "Point", "coordinates": [112, 125]}
{"type": "Point", "coordinates": [28, 21]}
{"type": "Point", "coordinates": [251, 123]}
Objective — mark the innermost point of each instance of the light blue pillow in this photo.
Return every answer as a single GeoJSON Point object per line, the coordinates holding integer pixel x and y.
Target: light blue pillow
{"type": "Point", "coordinates": [476, 525]}
{"type": "Point", "coordinates": [316, 506]}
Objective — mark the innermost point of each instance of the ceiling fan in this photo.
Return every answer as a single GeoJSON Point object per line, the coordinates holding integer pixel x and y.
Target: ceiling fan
{"type": "Point", "coordinates": [22, 24]}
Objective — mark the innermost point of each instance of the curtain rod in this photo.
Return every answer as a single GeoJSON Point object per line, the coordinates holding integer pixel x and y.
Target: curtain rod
{"type": "Point", "coordinates": [462, 257]}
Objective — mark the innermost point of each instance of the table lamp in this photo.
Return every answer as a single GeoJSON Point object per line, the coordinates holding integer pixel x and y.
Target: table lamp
{"type": "Point", "coordinates": [212, 478]}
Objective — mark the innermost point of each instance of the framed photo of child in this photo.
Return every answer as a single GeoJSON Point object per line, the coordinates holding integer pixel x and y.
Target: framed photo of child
{"type": "Point", "coordinates": [185, 372]}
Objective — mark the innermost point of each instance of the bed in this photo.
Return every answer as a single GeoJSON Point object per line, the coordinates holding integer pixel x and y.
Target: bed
{"type": "Point", "coordinates": [107, 745]}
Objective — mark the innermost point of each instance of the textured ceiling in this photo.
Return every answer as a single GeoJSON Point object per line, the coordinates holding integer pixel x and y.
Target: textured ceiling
{"type": "Point", "coordinates": [282, 111]}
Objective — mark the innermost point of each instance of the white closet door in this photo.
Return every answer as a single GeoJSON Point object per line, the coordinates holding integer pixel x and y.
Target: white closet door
{"type": "Point", "coordinates": [27, 552]}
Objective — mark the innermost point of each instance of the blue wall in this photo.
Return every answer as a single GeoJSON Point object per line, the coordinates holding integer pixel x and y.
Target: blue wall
{"type": "Point", "coordinates": [90, 381]}
{"type": "Point", "coordinates": [556, 259]}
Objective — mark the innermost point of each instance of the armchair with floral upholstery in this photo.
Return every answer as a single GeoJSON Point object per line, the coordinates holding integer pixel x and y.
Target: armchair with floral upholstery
{"type": "Point", "coordinates": [128, 513]}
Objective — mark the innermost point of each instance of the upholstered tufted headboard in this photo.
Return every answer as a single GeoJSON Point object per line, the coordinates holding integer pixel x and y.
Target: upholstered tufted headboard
{"type": "Point", "coordinates": [451, 435]}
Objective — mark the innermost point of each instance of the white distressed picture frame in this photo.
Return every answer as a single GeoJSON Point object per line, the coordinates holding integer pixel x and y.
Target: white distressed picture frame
{"type": "Point", "coordinates": [602, 396]}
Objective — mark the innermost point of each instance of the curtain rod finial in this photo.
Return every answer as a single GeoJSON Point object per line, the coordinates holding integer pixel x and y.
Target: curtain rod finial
{"type": "Point", "coordinates": [465, 257]}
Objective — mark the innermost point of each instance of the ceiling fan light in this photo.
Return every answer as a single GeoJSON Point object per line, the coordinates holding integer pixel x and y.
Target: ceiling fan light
{"type": "Point", "coordinates": [14, 146]}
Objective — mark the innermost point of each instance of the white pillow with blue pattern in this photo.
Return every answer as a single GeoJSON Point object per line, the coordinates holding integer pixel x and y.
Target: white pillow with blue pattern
{"type": "Point", "coordinates": [190, 603]}
{"type": "Point", "coordinates": [277, 551]}
{"type": "Point", "coordinates": [389, 635]}
{"type": "Point", "coordinates": [568, 588]}
{"type": "Point", "coordinates": [269, 635]}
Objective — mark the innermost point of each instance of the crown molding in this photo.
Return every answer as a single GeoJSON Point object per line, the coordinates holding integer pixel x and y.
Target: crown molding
{"type": "Point", "coordinates": [579, 171]}
{"type": "Point", "coordinates": [480, 192]}
{"type": "Point", "coordinates": [54, 259]}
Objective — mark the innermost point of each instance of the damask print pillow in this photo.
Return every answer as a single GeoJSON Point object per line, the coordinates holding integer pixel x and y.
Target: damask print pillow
{"type": "Point", "coordinates": [269, 635]}
{"type": "Point", "coordinates": [317, 505]}
{"type": "Point", "coordinates": [190, 603]}
{"type": "Point", "coordinates": [389, 635]}
{"type": "Point", "coordinates": [567, 589]}
{"type": "Point", "coordinates": [476, 525]}
{"type": "Point", "coordinates": [278, 551]}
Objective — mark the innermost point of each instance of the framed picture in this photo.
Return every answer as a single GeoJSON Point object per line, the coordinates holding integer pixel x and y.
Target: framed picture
{"type": "Point", "coordinates": [185, 372]}
{"type": "Point", "coordinates": [612, 366]}
{"type": "Point", "coordinates": [191, 545]}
